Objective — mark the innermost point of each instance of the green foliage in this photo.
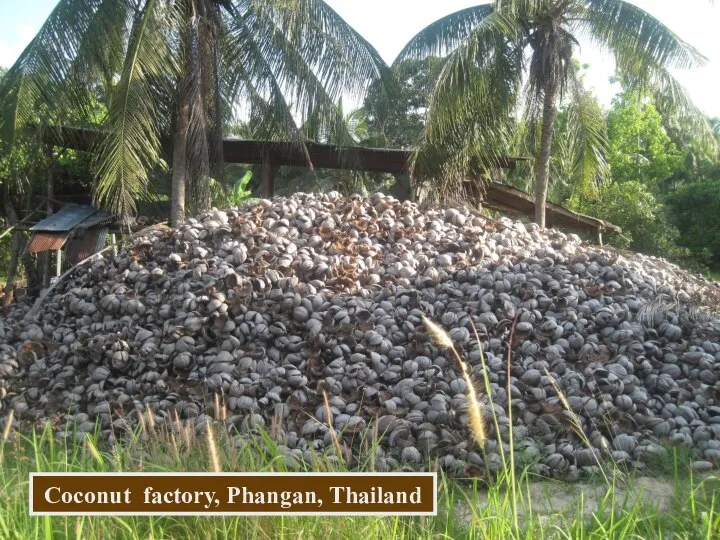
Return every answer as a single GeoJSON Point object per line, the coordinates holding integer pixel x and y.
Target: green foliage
{"type": "Point", "coordinates": [640, 148]}
{"type": "Point", "coordinates": [396, 120]}
{"type": "Point", "coordinates": [236, 195]}
{"type": "Point", "coordinates": [506, 57]}
{"type": "Point", "coordinates": [633, 207]}
{"type": "Point", "coordinates": [696, 213]}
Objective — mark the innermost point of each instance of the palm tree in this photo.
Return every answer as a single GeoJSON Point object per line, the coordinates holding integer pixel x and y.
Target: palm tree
{"type": "Point", "coordinates": [512, 56]}
{"type": "Point", "coordinates": [174, 71]}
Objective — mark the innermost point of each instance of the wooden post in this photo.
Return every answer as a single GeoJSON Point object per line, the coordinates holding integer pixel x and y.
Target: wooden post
{"type": "Point", "coordinates": [600, 237]}
{"type": "Point", "coordinates": [267, 178]}
{"type": "Point", "coordinates": [58, 263]}
{"type": "Point", "coordinates": [113, 243]}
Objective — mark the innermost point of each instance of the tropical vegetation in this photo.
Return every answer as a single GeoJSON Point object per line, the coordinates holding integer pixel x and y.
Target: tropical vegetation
{"type": "Point", "coordinates": [511, 57]}
{"type": "Point", "coordinates": [175, 73]}
{"type": "Point", "coordinates": [512, 501]}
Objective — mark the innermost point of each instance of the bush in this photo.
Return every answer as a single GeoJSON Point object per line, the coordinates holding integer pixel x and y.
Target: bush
{"type": "Point", "coordinates": [695, 211]}
{"type": "Point", "coordinates": [632, 207]}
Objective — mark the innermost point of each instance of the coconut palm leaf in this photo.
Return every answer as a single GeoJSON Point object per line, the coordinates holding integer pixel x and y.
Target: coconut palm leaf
{"type": "Point", "coordinates": [276, 70]}
{"type": "Point", "coordinates": [101, 51]}
{"type": "Point", "coordinates": [479, 90]}
{"type": "Point", "coordinates": [587, 132]}
{"type": "Point", "coordinates": [470, 120]}
{"type": "Point", "coordinates": [131, 147]}
{"type": "Point", "coordinates": [41, 73]}
{"type": "Point", "coordinates": [640, 43]}
{"type": "Point", "coordinates": [444, 35]}
{"type": "Point", "coordinates": [645, 51]}
{"type": "Point", "coordinates": [290, 60]}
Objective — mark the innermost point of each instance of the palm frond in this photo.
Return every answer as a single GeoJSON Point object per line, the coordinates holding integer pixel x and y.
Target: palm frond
{"type": "Point", "coordinates": [344, 61]}
{"type": "Point", "coordinates": [639, 41]}
{"type": "Point", "coordinates": [292, 65]}
{"type": "Point", "coordinates": [253, 78]}
{"type": "Point", "coordinates": [470, 118]}
{"type": "Point", "coordinates": [444, 35]}
{"type": "Point", "coordinates": [587, 129]}
{"type": "Point", "coordinates": [645, 51]}
{"type": "Point", "coordinates": [40, 78]}
{"type": "Point", "coordinates": [100, 53]}
{"type": "Point", "coordinates": [132, 146]}
{"type": "Point", "coordinates": [676, 105]}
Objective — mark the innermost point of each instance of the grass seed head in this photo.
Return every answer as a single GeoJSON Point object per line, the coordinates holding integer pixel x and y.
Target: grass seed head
{"type": "Point", "coordinates": [8, 425]}
{"type": "Point", "coordinates": [438, 334]}
{"type": "Point", "coordinates": [212, 447]}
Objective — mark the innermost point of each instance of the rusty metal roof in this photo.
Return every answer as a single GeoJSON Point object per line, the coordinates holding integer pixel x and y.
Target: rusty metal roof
{"type": "Point", "coordinates": [43, 241]}
{"type": "Point", "coordinates": [72, 216]}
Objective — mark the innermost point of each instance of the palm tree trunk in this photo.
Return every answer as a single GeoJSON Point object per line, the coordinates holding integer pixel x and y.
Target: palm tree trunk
{"type": "Point", "coordinates": [217, 157]}
{"type": "Point", "coordinates": [179, 165]}
{"type": "Point", "coordinates": [33, 282]}
{"type": "Point", "coordinates": [542, 159]}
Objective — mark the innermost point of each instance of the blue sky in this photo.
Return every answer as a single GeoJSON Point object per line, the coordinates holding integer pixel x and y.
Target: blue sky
{"type": "Point", "coordinates": [389, 24]}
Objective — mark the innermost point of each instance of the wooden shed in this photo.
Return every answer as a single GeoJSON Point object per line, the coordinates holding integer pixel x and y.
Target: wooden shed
{"type": "Point", "coordinates": [76, 230]}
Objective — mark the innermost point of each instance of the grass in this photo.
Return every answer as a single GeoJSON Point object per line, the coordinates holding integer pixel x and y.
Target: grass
{"type": "Point", "coordinates": [509, 503]}
{"type": "Point", "coordinates": [467, 507]}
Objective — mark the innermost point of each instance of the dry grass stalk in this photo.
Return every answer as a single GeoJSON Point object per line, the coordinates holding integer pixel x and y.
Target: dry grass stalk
{"type": "Point", "coordinates": [214, 458]}
{"type": "Point", "coordinates": [333, 434]}
{"type": "Point", "coordinates": [477, 424]}
{"type": "Point", "coordinates": [188, 435]}
{"type": "Point", "coordinates": [276, 423]}
{"type": "Point", "coordinates": [8, 425]}
{"type": "Point", "coordinates": [141, 421]}
{"type": "Point", "coordinates": [438, 334]}
{"type": "Point", "coordinates": [488, 389]}
{"type": "Point", "coordinates": [220, 408]}
{"type": "Point", "coordinates": [151, 418]}
{"type": "Point", "coordinates": [176, 450]}
{"type": "Point", "coordinates": [92, 449]}
{"type": "Point", "coordinates": [216, 399]}
{"type": "Point", "coordinates": [178, 424]}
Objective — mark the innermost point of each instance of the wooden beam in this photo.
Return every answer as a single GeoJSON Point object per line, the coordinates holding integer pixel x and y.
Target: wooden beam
{"type": "Point", "coordinates": [270, 155]}
{"type": "Point", "coordinates": [298, 154]}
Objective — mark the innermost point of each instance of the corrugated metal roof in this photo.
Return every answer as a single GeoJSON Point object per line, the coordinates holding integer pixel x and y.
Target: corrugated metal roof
{"type": "Point", "coordinates": [42, 241]}
{"type": "Point", "coordinates": [65, 219]}
{"type": "Point", "coordinates": [85, 244]}
{"type": "Point", "coordinates": [72, 216]}
{"type": "Point", "coordinates": [101, 217]}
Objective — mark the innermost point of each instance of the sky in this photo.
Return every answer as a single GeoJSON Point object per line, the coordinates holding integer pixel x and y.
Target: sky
{"type": "Point", "coordinates": [389, 24]}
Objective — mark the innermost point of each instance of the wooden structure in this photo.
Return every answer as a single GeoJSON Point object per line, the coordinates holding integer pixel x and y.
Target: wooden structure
{"type": "Point", "coordinates": [270, 155]}
{"type": "Point", "coordinates": [513, 201]}
{"type": "Point", "coordinates": [78, 230]}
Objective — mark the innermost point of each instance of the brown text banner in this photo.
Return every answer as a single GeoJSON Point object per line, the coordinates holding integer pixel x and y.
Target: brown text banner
{"type": "Point", "coordinates": [233, 493]}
